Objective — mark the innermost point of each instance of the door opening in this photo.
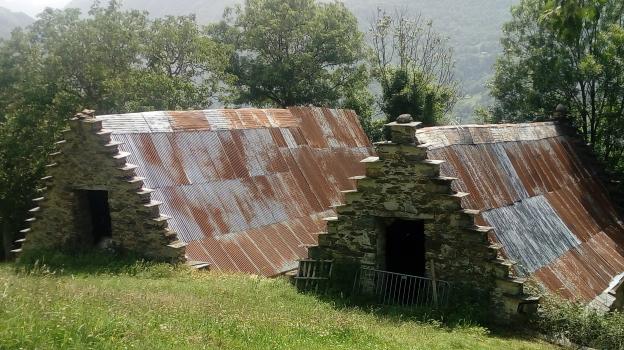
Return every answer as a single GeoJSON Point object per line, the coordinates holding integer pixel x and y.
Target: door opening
{"type": "Point", "coordinates": [405, 247]}
{"type": "Point", "coordinates": [96, 219]}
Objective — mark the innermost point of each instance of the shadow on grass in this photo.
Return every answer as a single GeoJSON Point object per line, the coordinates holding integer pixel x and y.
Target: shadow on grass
{"type": "Point", "coordinates": [85, 263]}
{"type": "Point", "coordinates": [456, 315]}
{"type": "Point", "coordinates": [459, 314]}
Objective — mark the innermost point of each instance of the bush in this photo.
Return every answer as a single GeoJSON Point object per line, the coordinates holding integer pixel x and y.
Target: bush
{"type": "Point", "coordinates": [575, 322]}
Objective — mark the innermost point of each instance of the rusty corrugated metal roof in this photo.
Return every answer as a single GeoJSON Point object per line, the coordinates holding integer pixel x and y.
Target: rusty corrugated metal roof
{"type": "Point", "coordinates": [547, 207]}
{"type": "Point", "coordinates": [247, 189]}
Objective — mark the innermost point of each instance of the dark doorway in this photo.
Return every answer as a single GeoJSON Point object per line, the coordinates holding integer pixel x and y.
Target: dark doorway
{"type": "Point", "coordinates": [405, 247]}
{"type": "Point", "coordinates": [95, 216]}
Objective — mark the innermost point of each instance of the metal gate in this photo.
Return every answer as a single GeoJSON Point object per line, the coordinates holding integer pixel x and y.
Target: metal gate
{"type": "Point", "coordinates": [389, 288]}
{"type": "Point", "coordinates": [313, 275]}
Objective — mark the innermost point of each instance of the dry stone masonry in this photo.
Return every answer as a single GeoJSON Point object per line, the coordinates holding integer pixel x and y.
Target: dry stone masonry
{"type": "Point", "coordinates": [88, 161]}
{"type": "Point", "coordinates": [402, 184]}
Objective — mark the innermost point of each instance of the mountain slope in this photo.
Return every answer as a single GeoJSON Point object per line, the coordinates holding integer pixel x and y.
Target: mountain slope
{"type": "Point", "coordinates": [473, 26]}
{"type": "Point", "coordinates": [10, 20]}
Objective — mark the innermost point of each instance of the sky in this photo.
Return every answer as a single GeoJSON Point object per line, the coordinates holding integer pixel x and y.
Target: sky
{"type": "Point", "coordinates": [32, 7]}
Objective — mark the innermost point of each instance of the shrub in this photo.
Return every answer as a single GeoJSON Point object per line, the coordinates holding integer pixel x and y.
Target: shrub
{"type": "Point", "coordinates": [577, 323]}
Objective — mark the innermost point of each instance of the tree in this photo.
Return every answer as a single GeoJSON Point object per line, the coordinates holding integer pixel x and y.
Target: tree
{"type": "Point", "coordinates": [414, 67]}
{"type": "Point", "coordinates": [111, 61]}
{"type": "Point", "coordinates": [566, 52]}
{"type": "Point", "coordinates": [295, 52]}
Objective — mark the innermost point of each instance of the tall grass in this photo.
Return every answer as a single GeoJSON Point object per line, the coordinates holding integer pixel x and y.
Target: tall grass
{"type": "Point", "coordinates": [156, 306]}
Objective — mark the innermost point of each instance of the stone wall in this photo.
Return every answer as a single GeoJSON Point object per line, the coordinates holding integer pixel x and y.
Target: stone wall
{"type": "Point", "coordinates": [402, 183]}
{"type": "Point", "coordinates": [87, 159]}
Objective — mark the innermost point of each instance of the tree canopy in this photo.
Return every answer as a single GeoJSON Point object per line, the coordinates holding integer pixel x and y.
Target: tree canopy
{"type": "Point", "coordinates": [294, 52]}
{"type": "Point", "coordinates": [112, 61]}
{"type": "Point", "coordinates": [571, 53]}
{"type": "Point", "coordinates": [414, 66]}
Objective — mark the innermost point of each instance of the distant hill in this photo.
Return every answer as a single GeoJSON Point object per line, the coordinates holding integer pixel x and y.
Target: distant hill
{"type": "Point", "coordinates": [10, 20]}
{"type": "Point", "coordinates": [473, 26]}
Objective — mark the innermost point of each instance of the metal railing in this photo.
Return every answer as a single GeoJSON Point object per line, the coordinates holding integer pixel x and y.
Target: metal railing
{"type": "Point", "coordinates": [313, 275]}
{"type": "Point", "coordinates": [390, 288]}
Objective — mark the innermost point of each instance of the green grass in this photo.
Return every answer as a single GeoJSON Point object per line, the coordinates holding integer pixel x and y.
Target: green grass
{"type": "Point", "coordinates": [162, 307]}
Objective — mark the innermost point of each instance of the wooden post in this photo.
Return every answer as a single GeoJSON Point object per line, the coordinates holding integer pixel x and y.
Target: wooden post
{"type": "Point", "coordinates": [434, 283]}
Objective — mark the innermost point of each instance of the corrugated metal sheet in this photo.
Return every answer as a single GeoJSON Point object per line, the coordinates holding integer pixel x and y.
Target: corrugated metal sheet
{"type": "Point", "coordinates": [218, 119]}
{"type": "Point", "coordinates": [246, 189]}
{"type": "Point", "coordinates": [548, 210]}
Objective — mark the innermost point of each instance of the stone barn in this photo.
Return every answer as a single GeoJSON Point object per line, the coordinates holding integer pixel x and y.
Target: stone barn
{"type": "Point", "coordinates": [231, 190]}
{"type": "Point", "coordinates": [486, 207]}
{"type": "Point", "coordinates": [262, 191]}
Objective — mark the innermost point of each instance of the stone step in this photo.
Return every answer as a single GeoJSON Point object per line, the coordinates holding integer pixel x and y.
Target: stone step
{"type": "Point", "coordinates": [25, 231]}
{"type": "Point", "coordinates": [162, 218]}
{"type": "Point", "coordinates": [21, 240]}
{"type": "Point", "coordinates": [460, 195]}
{"type": "Point", "coordinates": [145, 194]}
{"type": "Point", "coordinates": [94, 124]}
{"type": "Point", "coordinates": [503, 267]}
{"type": "Point", "coordinates": [370, 160]}
{"type": "Point", "coordinates": [199, 265]}
{"type": "Point", "coordinates": [177, 245]}
{"type": "Point", "coordinates": [520, 304]}
{"type": "Point", "coordinates": [445, 179]}
{"type": "Point", "coordinates": [145, 191]}
{"type": "Point", "coordinates": [16, 251]}
{"type": "Point", "coordinates": [510, 285]}
{"type": "Point", "coordinates": [137, 180]}
{"type": "Point", "coordinates": [114, 144]}
{"type": "Point", "coordinates": [128, 167]}
{"type": "Point", "coordinates": [121, 155]}
{"type": "Point", "coordinates": [152, 204]}
{"type": "Point", "coordinates": [433, 162]}
{"type": "Point", "coordinates": [169, 233]}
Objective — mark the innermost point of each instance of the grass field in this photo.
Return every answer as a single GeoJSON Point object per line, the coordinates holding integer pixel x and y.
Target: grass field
{"type": "Point", "coordinates": [161, 307]}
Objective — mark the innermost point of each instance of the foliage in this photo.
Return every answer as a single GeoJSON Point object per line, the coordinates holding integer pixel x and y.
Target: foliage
{"type": "Point", "coordinates": [580, 325]}
{"type": "Point", "coordinates": [293, 52]}
{"type": "Point", "coordinates": [414, 66]}
{"type": "Point", "coordinates": [569, 52]}
{"type": "Point", "coordinates": [159, 307]}
{"type": "Point", "coordinates": [111, 61]}
{"type": "Point", "coordinates": [472, 26]}
{"type": "Point", "coordinates": [297, 52]}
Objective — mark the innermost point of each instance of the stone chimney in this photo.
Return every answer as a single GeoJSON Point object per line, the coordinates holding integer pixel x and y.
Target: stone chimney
{"type": "Point", "coordinates": [403, 130]}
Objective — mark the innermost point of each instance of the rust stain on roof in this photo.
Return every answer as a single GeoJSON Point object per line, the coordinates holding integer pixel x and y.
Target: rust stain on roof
{"type": "Point", "coordinates": [246, 189]}
{"type": "Point", "coordinates": [193, 120]}
{"type": "Point", "coordinates": [549, 210]}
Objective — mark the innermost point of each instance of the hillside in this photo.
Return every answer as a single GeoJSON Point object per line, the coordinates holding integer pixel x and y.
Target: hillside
{"type": "Point", "coordinates": [473, 26]}
{"type": "Point", "coordinates": [162, 308]}
{"type": "Point", "coordinates": [10, 20]}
